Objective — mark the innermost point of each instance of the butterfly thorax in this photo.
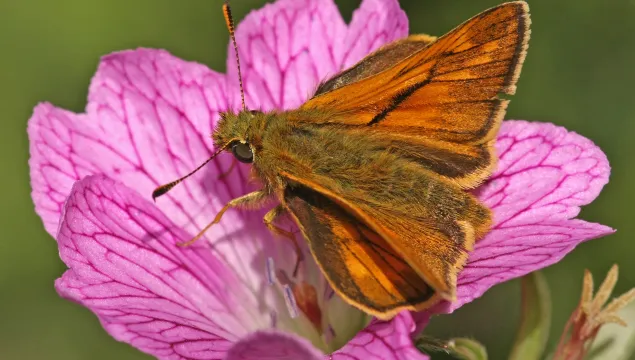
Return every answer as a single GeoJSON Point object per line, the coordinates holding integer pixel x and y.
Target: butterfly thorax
{"type": "Point", "coordinates": [288, 142]}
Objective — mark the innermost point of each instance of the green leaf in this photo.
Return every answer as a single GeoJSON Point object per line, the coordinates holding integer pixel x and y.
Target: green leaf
{"type": "Point", "coordinates": [466, 349]}
{"type": "Point", "coordinates": [533, 332]}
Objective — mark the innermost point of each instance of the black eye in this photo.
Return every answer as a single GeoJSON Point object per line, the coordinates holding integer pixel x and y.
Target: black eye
{"type": "Point", "coordinates": [242, 152]}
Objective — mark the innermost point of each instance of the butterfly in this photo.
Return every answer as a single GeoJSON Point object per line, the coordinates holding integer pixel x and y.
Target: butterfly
{"type": "Point", "coordinates": [376, 167]}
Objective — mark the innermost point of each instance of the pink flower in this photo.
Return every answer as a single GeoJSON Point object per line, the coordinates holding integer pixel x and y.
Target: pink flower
{"type": "Point", "coordinates": [147, 122]}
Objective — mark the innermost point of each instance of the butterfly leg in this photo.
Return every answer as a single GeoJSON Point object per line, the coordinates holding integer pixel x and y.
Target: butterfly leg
{"type": "Point", "coordinates": [252, 200]}
{"type": "Point", "coordinates": [269, 218]}
{"type": "Point", "coordinates": [228, 171]}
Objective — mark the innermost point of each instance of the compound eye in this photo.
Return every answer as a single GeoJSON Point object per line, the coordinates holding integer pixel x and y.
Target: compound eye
{"type": "Point", "coordinates": [242, 152]}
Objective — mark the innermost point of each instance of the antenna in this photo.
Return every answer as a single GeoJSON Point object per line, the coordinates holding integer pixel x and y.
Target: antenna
{"type": "Point", "coordinates": [229, 20]}
{"type": "Point", "coordinates": [161, 190]}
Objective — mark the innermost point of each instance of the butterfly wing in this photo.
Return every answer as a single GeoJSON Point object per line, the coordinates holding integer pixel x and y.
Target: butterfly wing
{"type": "Point", "coordinates": [388, 233]}
{"type": "Point", "coordinates": [384, 252]}
{"type": "Point", "coordinates": [440, 105]}
{"type": "Point", "coordinates": [376, 62]}
{"type": "Point", "coordinates": [358, 263]}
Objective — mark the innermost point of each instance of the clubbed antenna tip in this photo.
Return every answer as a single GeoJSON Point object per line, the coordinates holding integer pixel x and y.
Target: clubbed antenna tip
{"type": "Point", "coordinates": [229, 20]}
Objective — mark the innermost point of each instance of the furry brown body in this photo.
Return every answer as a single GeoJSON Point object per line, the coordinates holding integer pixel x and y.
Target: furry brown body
{"type": "Point", "coordinates": [366, 173]}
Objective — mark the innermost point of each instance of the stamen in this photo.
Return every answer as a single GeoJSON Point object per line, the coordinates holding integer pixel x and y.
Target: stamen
{"type": "Point", "coordinates": [328, 292]}
{"type": "Point", "coordinates": [273, 316]}
{"type": "Point", "coordinates": [329, 334]}
{"type": "Point", "coordinates": [289, 299]}
{"type": "Point", "coordinates": [282, 277]}
{"type": "Point", "coordinates": [271, 272]}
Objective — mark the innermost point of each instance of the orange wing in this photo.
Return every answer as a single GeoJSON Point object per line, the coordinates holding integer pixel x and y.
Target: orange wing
{"type": "Point", "coordinates": [377, 62]}
{"type": "Point", "coordinates": [358, 263]}
{"type": "Point", "coordinates": [369, 244]}
{"type": "Point", "coordinates": [439, 106]}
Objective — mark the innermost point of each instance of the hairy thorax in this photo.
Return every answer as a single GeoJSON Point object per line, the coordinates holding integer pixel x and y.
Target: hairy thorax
{"type": "Point", "coordinates": [287, 142]}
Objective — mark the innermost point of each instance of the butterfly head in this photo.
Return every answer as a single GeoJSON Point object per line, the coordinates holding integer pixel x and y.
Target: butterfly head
{"type": "Point", "coordinates": [241, 134]}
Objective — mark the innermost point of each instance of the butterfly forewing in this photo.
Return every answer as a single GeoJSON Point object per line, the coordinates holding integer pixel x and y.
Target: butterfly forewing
{"type": "Point", "coordinates": [440, 106]}
{"type": "Point", "coordinates": [377, 62]}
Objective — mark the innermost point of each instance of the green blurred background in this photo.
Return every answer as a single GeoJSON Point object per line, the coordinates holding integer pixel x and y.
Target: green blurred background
{"type": "Point", "coordinates": [579, 74]}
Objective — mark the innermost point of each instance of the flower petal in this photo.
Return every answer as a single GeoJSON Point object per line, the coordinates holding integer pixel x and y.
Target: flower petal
{"type": "Point", "coordinates": [545, 174]}
{"type": "Point", "coordinates": [125, 267]}
{"type": "Point", "coordinates": [145, 118]}
{"type": "Point", "coordinates": [51, 164]}
{"type": "Point", "coordinates": [383, 340]}
{"type": "Point", "coordinates": [152, 112]}
{"type": "Point", "coordinates": [288, 47]}
{"type": "Point", "coordinates": [273, 345]}
{"type": "Point", "coordinates": [375, 23]}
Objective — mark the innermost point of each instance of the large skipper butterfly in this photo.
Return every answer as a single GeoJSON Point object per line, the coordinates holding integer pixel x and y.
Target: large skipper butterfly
{"type": "Point", "coordinates": [374, 168]}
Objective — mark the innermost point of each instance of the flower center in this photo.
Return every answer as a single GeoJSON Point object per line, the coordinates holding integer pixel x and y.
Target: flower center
{"type": "Point", "coordinates": [307, 306]}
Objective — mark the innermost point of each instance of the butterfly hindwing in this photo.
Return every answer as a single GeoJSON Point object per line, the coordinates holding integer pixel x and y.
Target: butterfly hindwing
{"type": "Point", "coordinates": [358, 263]}
{"type": "Point", "coordinates": [431, 230]}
